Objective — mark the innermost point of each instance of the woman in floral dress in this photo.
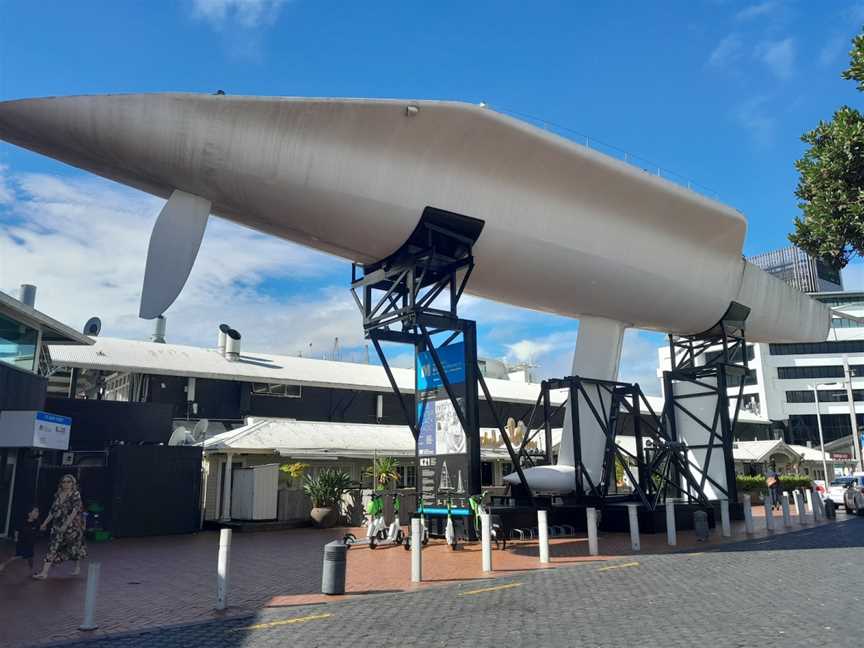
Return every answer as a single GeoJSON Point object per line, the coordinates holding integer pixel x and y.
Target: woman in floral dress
{"type": "Point", "coordinates": [67, 528]}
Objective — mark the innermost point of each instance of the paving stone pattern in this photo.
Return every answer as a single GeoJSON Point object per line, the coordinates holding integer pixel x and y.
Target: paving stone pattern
{"type": "Point", "coordinates": [798, 589]}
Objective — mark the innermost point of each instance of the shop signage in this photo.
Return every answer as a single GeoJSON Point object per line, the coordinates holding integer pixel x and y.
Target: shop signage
{"type": "Point", "coordinates": [442, 452]}
{"type": "Point", "coordinates": [33, 429]}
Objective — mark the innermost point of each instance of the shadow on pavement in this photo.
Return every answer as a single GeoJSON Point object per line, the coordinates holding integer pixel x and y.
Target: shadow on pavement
{"type": "Point", "coordinates": [841, 534]}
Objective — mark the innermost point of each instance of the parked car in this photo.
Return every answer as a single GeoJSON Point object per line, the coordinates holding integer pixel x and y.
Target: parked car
{"type": "Point", "coordinates": [837, 489]}
{"type": "Point", "coordinates": [853, 496]}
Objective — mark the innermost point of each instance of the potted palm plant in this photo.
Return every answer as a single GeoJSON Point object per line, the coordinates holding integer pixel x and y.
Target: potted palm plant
{"type": "Point", "coordinates": [325, 490]}
{"type": "Point", "coordinates": [383, 471]}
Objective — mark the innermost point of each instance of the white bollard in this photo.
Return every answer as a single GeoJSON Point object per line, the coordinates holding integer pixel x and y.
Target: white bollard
{"type": "Point", "coordinates": [671, 534]}
{"type": "Point", "coordinates": [222, 569]}
{"type": "Point", "coordinates": [799, 504]}
{"type": "Point", "coordinates": [543, 533]}
{"type": "Point", "coordinates": [787, 518]}
{"type": "Point", "coordinates": [486, 539]}
{"type": "Point", "coordinates": [725, 522]}
{"type": "Point", "coordinates": [748, 515]}
{"type": "Point", "coordinates": [769, 516]}
{"type": "Point", "coordinates": [416, 548]}
{"type": "Point", "coordinates": [818, 511]}
{"type": "Point", "coordinates": [633, 515]}
{"type": "Point", "coordinates": [591, 517]}
{"type": "Point", "coordinates": [89, 622]}
{"type": "Point", "coordinates": [808, 506]}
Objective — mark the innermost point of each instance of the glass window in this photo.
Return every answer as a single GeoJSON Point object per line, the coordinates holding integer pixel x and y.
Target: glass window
{"type": "Point", "coordinates": [407, 476]}
{"type": "Point", "coordinates": [825, 395]}
{"type": "Point", "coordinates": [18, 344]}
{"type": "Point", "coordinates": [829, 371]}
{"type": "Point", "coordinates": [813, 348]}
{"type": "Point", "coordinates": [750, 378]}
{"type": "Point", "coordinates": [279, 391]}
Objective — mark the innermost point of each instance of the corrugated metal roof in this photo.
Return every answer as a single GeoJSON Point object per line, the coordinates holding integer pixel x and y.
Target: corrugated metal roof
{"type": "Point", "coordinates": [311, 439]}
{"type": "Point", "coordinates": [111, 354]}
{"type": "Point", "coordinates": [53, 332]}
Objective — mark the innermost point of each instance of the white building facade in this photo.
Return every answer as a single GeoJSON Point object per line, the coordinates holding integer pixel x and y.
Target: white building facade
{"type": "Point", "coordinates": [779, 387]}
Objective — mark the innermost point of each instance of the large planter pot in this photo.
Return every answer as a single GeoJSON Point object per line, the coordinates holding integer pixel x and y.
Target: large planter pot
{"type": "Point", "coordinates": [324, 517]}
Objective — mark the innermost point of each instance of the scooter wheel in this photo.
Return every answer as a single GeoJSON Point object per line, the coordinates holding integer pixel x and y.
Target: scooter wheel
{"type": "Point", "coordinates": [425, 540]}
{"type": "Point", "coordinates": [407, 544]}
{"type": "Point", "coordinates": [382, 535]}
{"type": "Point", "coordinates": [349, 539]}
{"type": "Point", "coordinates": [372, 543]}
{"type": "Point", "coordinates": [454, 546]}
{"type": "Point", "coordinates": [399, 536]}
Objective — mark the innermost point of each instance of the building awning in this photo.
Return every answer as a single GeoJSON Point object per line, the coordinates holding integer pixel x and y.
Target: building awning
{"type": "Point", "coordinates": [317, 440]}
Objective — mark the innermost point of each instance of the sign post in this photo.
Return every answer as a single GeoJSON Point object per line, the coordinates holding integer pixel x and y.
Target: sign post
{"type": "Point", "coordinates": [448, 443]}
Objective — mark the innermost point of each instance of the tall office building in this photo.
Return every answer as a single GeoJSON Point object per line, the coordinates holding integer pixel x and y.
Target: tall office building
{"type": "Point", "coordinates": [799, 269]}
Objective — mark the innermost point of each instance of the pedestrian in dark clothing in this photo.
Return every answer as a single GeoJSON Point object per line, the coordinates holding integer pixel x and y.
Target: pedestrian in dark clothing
{"type": "Point", "coordinates": [25, 538]}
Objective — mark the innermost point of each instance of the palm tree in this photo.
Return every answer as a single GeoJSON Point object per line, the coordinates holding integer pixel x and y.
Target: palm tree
{"type": "Point", "coordinates": [383, 471]}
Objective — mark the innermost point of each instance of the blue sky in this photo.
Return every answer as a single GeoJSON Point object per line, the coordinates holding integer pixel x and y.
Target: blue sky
{"type": "Point", "coordinates": [716, 91]}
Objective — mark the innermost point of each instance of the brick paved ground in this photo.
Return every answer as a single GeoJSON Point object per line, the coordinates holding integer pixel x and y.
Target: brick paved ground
{"type": "Point", "coordinates": [160, 581]}
{"type": "Point", "coordinates": [796, 589]}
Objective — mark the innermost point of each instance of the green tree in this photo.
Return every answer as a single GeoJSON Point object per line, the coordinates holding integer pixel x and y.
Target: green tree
{"type": "Point", "coordinates": [856, 66]}
{"type": "Point", "coordinates": [831, 182]}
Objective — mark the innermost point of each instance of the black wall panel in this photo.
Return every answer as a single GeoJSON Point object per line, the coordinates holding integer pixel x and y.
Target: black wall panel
{"type": "Point", "coordinates": [96, 423]}
{"type": "Point", "coordinates": [21, 390]}
{"type": "Point", "coordinates": [155, 490]}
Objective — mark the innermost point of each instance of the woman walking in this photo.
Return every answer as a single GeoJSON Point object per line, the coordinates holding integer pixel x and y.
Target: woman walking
{"type": "Point", "coordinates": [67, 528]}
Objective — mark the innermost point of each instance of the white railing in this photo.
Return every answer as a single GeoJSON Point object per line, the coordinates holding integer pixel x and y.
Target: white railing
{"type": "Point", "coordinates": [611, 150]}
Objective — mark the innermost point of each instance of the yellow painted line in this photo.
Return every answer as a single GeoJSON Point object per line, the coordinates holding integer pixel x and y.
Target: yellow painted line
{"type": "Point", "coordinates": [622, 566]}
{"type": "Point", "coordinates": [274, 624]}
{"type": "Point", "coordinates": [490, 589]}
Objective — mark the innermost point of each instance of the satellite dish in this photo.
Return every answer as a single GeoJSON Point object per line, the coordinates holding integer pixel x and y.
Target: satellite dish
{"type": "Point", "coordinates": [199, 432]}
{"type": "Point", "coordinates": [92, 327]}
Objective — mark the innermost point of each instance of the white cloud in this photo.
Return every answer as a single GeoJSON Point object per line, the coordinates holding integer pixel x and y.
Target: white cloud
{"type": "Point", "coordinates": [84, 243]}
{"type": "Point", "coordinates": [757, 120]}
{"type": "Point", "coordinates": [249, 14]}
{"type": "Point", "coordinates": [727, 52]}
{"type": "Point", "coordinates": [553, 355]}
{"type": "Point", "coordinates": [527, 350]}
{"type": "Point", "coordinates": [7, 195]}
{"type": "Point", "coordinates": [241, 24]}
{"type": "Point", "coordinates": [778, 56]}
{"type": "Point", "coordinates": [758, 10]}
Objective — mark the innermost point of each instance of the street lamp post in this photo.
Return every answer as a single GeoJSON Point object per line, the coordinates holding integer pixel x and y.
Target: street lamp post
{"type": "Point", "coordinates": [819, 425]}
{"type": "Point", "coordinates": [856, 449]}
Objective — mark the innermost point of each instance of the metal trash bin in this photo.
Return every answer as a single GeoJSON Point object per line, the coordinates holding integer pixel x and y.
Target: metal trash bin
{"type": "Point", "coordinates": [333, 574]}
{"type": "Point", "coordinates": [830, 509]}
{"type": "Point", "coordinates": [700, 525]}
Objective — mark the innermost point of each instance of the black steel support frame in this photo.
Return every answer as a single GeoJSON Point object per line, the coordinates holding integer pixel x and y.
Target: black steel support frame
{"type": "Point", "coordinates": [400, 292]}
{"type": "Point", "coordinates": [652, 478]}
{"type": "Point", "coordinates": [712, 378]}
